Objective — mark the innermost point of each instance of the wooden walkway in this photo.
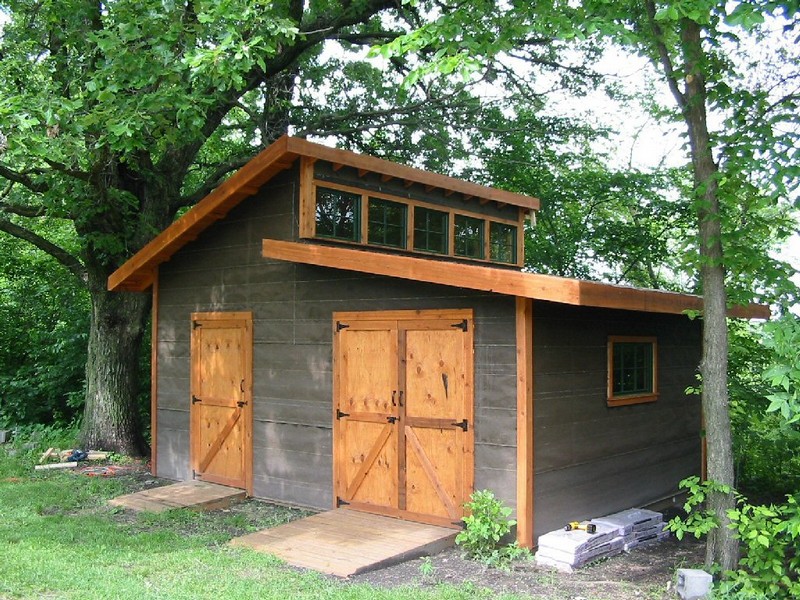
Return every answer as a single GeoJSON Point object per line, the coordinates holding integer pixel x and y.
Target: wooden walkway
{"type": "Point", "coordinates": [346, 542]}
{"type": "Point", "coordinates": [196, 495]}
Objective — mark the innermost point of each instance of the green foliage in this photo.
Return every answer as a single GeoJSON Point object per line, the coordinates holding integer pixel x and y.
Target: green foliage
{"type": "Point", "coordinates": [766, 446]}
{"type": "Point", "coordinates": [769, 537]}
{"type": "Point", "coordinates": [44, 315]}
{"type": "Point", "coordinates": [486, 526]}
{"type": "Point", "coordinates": [783, 339]}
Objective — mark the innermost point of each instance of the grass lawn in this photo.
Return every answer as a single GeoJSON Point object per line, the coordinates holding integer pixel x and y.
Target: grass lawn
{"type": "Point", "coordinates": [59, 539]}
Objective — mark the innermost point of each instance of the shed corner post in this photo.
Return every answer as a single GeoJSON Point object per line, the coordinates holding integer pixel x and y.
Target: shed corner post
{"type": "Point", "coordinates": [525, 459]}
{"type": "Point", "coordinates": [154, 378]}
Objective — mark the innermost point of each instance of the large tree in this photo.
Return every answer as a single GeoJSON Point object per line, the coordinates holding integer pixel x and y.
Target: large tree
{"type": "Point", "coordinates": [117, 115]}
{"type": "Point", "coordinates": [690, 42]}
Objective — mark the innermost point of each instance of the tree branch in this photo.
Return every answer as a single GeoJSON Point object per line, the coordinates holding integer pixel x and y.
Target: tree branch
{"type": "Point", "coordinates": [74, 265]}
{"type": "Point", "coordinates": [663, 53]}
{"type": "Point", "coordinates": [23, 179]}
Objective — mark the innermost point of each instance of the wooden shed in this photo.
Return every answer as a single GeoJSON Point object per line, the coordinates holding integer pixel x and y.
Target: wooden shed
{"type": "Point", "coordinates": [334, 329]}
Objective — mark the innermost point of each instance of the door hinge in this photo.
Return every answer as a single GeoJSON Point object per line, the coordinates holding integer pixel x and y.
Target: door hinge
{"type": "Point", "coordinates": [195, 399]}
{"type": "Point", "coordinates": [391, 419]}
{"type": "Point", "coordinates": [340, 414]}
{"type": "Point", "coordinates": [340, 326]}
{"type": "Point", "coordinates": [340, 502]}
{"type": "Point", "coordinates": [463, 424]}
{"type": "Point", "coordinates": [463, 325]}
{"type": "Point", "coordinates": [196, 324]}
{"type": "Point", "coordinates": [241, 403]}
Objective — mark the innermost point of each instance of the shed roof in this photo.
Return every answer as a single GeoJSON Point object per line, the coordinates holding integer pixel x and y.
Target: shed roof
{"type": "Point", "coordinates": [498, 280]}
{"type": "Point", "coordinates": [138, 272]}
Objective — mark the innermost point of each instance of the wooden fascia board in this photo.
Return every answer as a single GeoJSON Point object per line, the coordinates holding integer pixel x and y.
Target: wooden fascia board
{"type": "Point", "coordinates": [136, 274]}
{"type": "Point", "coordinates": [388, 169]}
{"type": "Point", "coordinates": [491, 279]}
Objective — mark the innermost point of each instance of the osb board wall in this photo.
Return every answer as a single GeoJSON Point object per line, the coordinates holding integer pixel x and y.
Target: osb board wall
{"type": "Point", "coordinates": [292, 307]}
{"type": "Point", "coordinates": [591, 459]}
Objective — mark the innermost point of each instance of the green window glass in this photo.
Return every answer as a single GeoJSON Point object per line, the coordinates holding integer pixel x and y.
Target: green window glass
{"type": "Point", "coordinates": [338, 214]}
{"type": "Point", "coordinates": [632, 368]}
{"type": "Point", "coordinates": [387, 223]}
{"type": "Point", "coordinates": [503, 242]}
{"type": "Point", "coordinates": [469, 238]}
{"type": "Point", "coordinates": [430, 230]}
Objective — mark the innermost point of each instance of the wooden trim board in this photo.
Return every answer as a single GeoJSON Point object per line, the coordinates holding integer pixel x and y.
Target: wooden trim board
{"type": "Point", "coordinates": [494, 279]}
{"type": "Point", "coordinates": [525, 430]}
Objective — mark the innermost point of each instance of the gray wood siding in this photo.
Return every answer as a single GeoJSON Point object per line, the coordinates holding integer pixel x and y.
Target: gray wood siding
{"type": "Point", "coordinates": [292, 309]}
{"type": "Point", "coordinates": [592, 460]}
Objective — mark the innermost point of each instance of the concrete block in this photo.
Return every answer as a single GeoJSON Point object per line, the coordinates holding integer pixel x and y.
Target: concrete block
{"type": "Point", "coordinates": [693, 584]}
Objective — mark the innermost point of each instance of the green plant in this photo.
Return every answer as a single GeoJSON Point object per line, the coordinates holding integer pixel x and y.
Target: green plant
{"type": "Point", "coordinates": [426, 568]}
{"type": "Point", "coordinates": [769, 536]}
{"type": "Point", "coordinates": [485, 527]}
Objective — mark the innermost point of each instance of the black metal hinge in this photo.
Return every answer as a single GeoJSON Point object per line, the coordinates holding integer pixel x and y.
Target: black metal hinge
{"type": "Point", "coordinates": [391, 419]}
{"type": "Point", "coordinates": [463, 325]}
{"type": "Point", "coordinates": [195, 399]}
{"type": "Point", "coordinates": [463, 424]}
{"type": "Point", "coordinates": [196, 324]}
{"type": "Point", "coordinates": [340, 414]}
{"type": "Point", "coordinates": [340, 326]}
{"type": "Point", "coordinates": [340, 502]}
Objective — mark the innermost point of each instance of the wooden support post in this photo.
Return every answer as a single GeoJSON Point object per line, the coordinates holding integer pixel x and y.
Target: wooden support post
{"type": "Point", "coordinates": [154, 379]}
{"type": "Point", "coordinates": [525, 463]}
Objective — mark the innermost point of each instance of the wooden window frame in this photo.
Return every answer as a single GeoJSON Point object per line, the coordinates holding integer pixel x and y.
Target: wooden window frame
{"type": "Point", "coordinates": [358, 218]}
{"type": "Point", "coordinates": [633, 398]}
{"type": "Point", "coordinates": [514, 248]}
{"type": "Point", "coordinates": [481, 241]}
{"type": "Point", "coordinates": [413, 230]}
{"type": "Point", "coordinates": [405, 210]}
{"type": "Point", "coordinates": [307, 225]}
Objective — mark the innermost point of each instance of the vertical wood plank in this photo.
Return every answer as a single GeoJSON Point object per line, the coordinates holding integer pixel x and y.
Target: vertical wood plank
{"type": "Point", "coordinates": [525, 458]}
{"type": "Point", "coordinates": [307, 199]}
{"type": "Point", "coordinates": [154, 379]}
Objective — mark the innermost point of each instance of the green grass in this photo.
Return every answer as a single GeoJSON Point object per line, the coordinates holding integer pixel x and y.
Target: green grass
{"type": "Point", "coordinates": [59, 539]}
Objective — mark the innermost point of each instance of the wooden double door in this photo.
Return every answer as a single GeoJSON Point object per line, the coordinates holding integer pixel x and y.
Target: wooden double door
{"type": "Point", "coordinates": [221, 405]}
{"type": "Point", "coordinates": [403, 413]}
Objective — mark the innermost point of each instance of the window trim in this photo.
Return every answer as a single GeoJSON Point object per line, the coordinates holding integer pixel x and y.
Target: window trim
{"type": "Point", "coordinates": [308, 198]}
{"type": "Point", "coordinates": [634, 398]}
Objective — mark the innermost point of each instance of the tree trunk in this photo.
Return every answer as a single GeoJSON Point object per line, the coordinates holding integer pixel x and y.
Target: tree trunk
{"type": "Point", "coordinates": [111, 417]}
{"type": "Point", "coordinates": [722, 546]}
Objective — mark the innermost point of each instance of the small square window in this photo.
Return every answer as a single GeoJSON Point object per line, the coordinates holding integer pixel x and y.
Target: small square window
{"type": "Point", "coordinates": [503, 242]}
{"type": "Point", "coordinates": [338, 214]}
{"type": "Point", "coordinates": [632, 370]}
{"type": "Point", "coordinates": [387, 223]}
{"type": "Point", "coordinates": [430, 230]}
{"type": "Point", "coordinates": [469, 238]}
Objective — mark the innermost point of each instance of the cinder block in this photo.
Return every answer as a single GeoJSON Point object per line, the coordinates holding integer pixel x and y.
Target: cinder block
{"type": "Point", "coordinates": [693, 584]}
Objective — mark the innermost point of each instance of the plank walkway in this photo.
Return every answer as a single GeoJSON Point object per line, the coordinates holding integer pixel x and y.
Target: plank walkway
{"type": "Point", "coordinates": [345, 542]}
{"type": "Point", "coordinates": [196, 495]}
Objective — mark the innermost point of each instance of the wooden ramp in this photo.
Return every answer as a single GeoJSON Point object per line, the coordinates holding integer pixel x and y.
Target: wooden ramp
{"type": "Point", "coordinates": [346, 542]}
{"type": "Point", "coordinates": [196, 495]}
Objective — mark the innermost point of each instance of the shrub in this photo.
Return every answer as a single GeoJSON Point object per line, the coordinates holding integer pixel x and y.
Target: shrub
{"type": "Point", "coordinates": [486, 526]}
{"type": "Point", "coordinates": [769, 535]}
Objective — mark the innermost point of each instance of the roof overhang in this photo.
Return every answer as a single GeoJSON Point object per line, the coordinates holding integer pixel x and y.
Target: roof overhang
{"type": "Point", "coordinates": [497, 280]}
{"type": "Point", "coordinates": [138, 272]}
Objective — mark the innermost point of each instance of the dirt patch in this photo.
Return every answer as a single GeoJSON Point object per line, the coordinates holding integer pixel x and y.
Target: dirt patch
{"type": "Point", "coordinates": [644, 573]}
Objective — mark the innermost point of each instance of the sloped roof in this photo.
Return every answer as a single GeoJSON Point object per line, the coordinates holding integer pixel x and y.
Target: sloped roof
{"type": "Point", "coordinates": [138, 272]}
{"type": "Point", "coordinates": [495, 279]}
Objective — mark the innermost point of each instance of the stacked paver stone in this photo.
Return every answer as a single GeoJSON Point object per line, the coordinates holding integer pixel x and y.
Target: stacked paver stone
{"type": "Point", "coordinates": [622, 531]}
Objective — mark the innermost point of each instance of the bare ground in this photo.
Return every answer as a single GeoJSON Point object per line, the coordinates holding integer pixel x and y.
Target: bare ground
{"type": "Point", "coordinates": [645, 573]}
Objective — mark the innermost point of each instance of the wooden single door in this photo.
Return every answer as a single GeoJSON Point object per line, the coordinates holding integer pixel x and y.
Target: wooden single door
{"type": "Point", "coordinates": [403, 437]}
{"type": "Point", "coordinates": [221, 398]}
